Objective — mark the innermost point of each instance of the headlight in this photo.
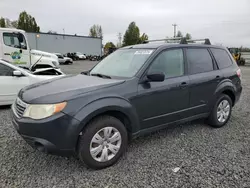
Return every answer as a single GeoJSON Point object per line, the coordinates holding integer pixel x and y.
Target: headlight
{"type": "Point", "coordinates": [40, 111]}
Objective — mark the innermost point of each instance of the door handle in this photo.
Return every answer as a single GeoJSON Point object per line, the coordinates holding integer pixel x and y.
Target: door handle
{"type": "Point", "coordinates": [183, 85]}
{"type": "Point", "coordinates": [6, 53]}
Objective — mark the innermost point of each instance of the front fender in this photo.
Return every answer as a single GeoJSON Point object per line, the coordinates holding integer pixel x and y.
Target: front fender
{"type": "Point", "coordinates": [104, 105]}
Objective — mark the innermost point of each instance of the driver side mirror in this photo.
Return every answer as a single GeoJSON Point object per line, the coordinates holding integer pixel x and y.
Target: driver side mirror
{"type": "Point", "coordinates": [156, 76]}
{"type": "Point", "coordinates": [17, 73]}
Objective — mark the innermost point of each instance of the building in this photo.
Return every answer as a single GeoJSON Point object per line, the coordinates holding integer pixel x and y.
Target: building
{"type": "Point", "coordinates": [63, 43]}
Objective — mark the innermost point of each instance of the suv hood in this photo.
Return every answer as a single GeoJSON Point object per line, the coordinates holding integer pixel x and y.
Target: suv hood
{"type": "Point", "coordinates": [63, 88]}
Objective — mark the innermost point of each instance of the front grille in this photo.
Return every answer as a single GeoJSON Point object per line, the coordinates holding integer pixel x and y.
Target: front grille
{"type": "Point", "coordinates": [19, 107]}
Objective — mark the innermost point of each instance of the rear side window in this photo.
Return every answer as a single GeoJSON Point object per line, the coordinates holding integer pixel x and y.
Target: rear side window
{"type": "Point", "coordinates": [222, 58]}
{"type": "Point", "coordinates": [199, 60]}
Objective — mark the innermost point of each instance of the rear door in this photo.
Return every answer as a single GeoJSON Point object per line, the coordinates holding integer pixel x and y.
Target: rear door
{"type": "Point", "coordinates": [204, 79]}
{"type": "Point", "coordinates": [10, 85]}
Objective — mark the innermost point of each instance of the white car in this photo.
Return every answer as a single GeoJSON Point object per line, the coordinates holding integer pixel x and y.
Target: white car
{"type": "Point", "coordinates": [14, 78]}
{"type": "Point", "coordinates": [63, 60]}
{"type": "Point", "coordinates": [80, 56]}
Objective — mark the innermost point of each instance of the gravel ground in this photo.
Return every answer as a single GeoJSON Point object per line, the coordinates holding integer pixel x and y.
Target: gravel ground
{"type": "Point", "coordinates": [190, 155]}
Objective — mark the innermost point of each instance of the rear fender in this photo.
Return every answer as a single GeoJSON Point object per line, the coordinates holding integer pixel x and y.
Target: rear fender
{"type": "Point", "coordinates": [226, 85]}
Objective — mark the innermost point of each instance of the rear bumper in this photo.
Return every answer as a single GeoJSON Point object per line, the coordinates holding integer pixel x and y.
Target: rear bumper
{"type": "Point", "coordinates": [238, 94]}
{"type": "Point", "coordinates": [54, 135]}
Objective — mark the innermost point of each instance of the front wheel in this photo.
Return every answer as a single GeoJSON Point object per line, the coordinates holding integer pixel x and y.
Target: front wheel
{"type": "Point", "coordinates": [103, 142]}
{"type": "Point", "coordinates": [221, 112]}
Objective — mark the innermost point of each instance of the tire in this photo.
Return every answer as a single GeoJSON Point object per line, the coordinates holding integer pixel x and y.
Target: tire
{"type": "Point", "coordinates": [213, 118]}
{"type": "Point", "coordinates": [87, 141]}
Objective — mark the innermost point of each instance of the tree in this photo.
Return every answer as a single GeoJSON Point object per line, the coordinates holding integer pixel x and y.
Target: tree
{"type": "Point", "coordinates": [179, 34]}
{"type": "Point", "coordinates": [14, 23]}
{"type": "Point", "coordinates": [109, 45]}
{"type": "Point", "coordinates": [96, 31]}
{"type": "Point", "coordinates": [27, 22]}
{"type": "Point", "coordinates": [2, 22]}
{"type": "Point", "coordinates": [99, 32]}
{"type": "Point", "coordinates": [132, 35]}
{"type": "Point", "coordinates": [143, 38]}
{"type": "Point", "coordinates": [52, 32]}
{"type": "Point", "coordinates": [188, 36]}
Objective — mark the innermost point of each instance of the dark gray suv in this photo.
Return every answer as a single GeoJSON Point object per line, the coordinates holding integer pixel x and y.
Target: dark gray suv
{"type": "Point", "coordinates": [135, 90]}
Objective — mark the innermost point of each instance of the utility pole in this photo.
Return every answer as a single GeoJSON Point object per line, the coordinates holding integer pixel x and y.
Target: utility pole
{"type": "Point", "coordinates": [174, 25]}
{"type": "Point", "coordinates": [120, 39]}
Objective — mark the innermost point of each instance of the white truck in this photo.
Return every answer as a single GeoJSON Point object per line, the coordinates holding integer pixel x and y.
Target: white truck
{"type": "Point", "coordinates": [14, 48]}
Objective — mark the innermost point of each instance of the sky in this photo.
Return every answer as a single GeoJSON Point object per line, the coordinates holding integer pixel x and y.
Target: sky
{"type": "Point", "coordinates": [225, 22]}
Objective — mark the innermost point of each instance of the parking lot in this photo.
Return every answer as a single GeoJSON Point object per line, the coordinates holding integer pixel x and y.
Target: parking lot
{"type": "Point", "coordinates": [188, 155]}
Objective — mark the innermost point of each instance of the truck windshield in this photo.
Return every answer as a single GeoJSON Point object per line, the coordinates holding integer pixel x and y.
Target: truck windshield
{"type": "Point", "coordinates": [122, 63]}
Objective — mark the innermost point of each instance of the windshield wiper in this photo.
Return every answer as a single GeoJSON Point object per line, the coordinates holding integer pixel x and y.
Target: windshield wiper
{"type": "Point", "coordinates": [101, 75]}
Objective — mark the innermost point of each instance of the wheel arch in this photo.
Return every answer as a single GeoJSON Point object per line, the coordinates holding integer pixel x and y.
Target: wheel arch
{"type": "Point", "coordinates": [114, 106]}
{"type": "Point", "coordinates": [226, 88]}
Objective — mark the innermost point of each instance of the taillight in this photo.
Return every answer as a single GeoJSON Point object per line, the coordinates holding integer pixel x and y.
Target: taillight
{"type": "Point", "coordinates": [239, 73]}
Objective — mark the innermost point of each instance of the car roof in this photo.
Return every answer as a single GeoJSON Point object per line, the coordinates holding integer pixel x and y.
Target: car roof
{"type": "Point", "coordinates": [155, 45]}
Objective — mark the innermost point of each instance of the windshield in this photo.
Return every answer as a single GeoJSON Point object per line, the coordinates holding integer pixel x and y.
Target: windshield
{"type": "Point", "coordinates": [122, 63]}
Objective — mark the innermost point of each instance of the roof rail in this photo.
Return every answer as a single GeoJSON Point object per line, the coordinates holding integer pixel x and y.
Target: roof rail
{"type": "Point", "coordinates": [164, 40]}
{"type": "Point", "coordinates": [182, 40]}
{"type": "Point", "coordinates": [207, 41]}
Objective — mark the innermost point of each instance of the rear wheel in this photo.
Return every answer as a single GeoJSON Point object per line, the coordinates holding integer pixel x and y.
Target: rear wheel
{"type": "Point", "coordinates": [221, 112]}
{"type": "Point", "coordinates": [103, 142]}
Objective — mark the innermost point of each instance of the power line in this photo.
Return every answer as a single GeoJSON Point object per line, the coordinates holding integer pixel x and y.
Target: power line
{"type": "Point", "coordinates": [120, 39]}
{"type": "Point", "coordinates": [174, 25]}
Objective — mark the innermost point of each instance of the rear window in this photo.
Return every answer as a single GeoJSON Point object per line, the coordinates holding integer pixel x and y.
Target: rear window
{"type": "Point", "coordinates": [199, 60]}
{"type": "Point", "coordinates": [222, 58]}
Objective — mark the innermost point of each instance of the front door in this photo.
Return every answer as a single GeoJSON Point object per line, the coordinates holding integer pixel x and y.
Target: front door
{"type": "Point", "coordinates": [15, 49]}
{"type": "Point", "coordinates": [10, 85]}
{"type": "Point", "coordinates": [159, 103]}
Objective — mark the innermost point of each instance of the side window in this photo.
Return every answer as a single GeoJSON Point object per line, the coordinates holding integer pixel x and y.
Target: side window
{"type": "Point", "coordinates": [11, 39]}
{"type": "Point", "coordinates": [14, 40]}
{"type": "Point", "coordinates": [5, 70]}
{"type": "Point", "coordinates": [169, 62]}
{"type": "Point", "coordinates": [222, 58]}
{"type": "Point", "coordinates": [199, 60]}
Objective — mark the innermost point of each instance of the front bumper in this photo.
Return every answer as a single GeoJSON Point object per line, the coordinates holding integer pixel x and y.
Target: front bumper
{"type": "Point", "coordinates": [55, 135]}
